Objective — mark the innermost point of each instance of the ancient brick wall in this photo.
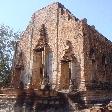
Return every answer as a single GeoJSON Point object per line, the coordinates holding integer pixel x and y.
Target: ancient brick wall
{"type": "Point", "coordinates": [29, 39]}
{"type": "Point", "coordinates": [61, 26]}
{"type": "Point", "coordinates": [97, 63]}
{"type": "Point", "coordinates": [76, 52]}
{"type": "Point", "coordinates": [70, 29]}
{"type": "Point", "coordinates": [98, 50]}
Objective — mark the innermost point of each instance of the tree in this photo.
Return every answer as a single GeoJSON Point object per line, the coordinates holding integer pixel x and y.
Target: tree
{"type": "Point", "coordinates": [7, 43]}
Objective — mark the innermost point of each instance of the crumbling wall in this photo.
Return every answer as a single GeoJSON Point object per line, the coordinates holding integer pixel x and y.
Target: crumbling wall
{"type": "Point", "coordinates": [97, 63]}
{"type": "Point", "coordinates": [89, 52]}
{"type": "Point", "coordinates": [29, 39]}
{"type": "Point", "coordinates": [61, 26]}
{"type": "Point", "coordinates": [70, 29]}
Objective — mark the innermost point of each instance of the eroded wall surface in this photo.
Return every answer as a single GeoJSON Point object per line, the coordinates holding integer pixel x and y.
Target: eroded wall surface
{"type": "Point", "coordinates": [61, 26]}
{"type": "Point", "coordinates": [97, 64]}
{"type": "Point", "coordinates": [76, 52]}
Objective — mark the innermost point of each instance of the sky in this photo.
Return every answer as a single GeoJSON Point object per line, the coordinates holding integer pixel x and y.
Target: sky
{"type": "Point", "coordinates": [17, 13]}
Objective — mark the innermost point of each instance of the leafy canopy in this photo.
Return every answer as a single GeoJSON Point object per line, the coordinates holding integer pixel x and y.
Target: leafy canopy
{"type": "Point", "coordinates": [7, 45]}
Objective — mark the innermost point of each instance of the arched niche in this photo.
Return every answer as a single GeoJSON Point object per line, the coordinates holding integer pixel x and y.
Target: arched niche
{"type": "Point", "coordinates": [65, 74]}
{"type": "Point", "coordinates": [94, 71]}
{"type": "Point", "coordinates": [18, 66]}
{"type": "Point", "coordinates": [42, 61]}
{"type": "Point", "coordinates": [42, 67]}
{"type": "Point", "coordinates": [37, 72]}
{"type": "Point", "coordinates": [70, 70]}
{"type": "Point", "coordinates": [93, 58]}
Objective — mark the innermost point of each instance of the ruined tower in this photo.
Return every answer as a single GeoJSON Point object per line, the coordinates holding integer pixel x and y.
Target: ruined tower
{"type": "Point", "coordinates": [59, 50]}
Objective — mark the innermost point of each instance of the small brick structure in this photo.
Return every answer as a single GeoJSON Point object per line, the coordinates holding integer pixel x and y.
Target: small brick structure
{"type": "Point", "coordinates": [59, 52]}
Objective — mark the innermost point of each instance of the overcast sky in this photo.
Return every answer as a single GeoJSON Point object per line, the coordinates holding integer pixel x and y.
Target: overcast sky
{"type": "Point", "coordinates": [17, 13]}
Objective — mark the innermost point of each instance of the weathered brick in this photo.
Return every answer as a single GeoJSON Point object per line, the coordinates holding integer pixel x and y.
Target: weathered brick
{"type": "Point", "coordinates": [88, 52]}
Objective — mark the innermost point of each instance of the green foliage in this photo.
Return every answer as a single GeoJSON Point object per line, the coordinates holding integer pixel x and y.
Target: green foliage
{"type": "Point", "coordinates": [7, 43]}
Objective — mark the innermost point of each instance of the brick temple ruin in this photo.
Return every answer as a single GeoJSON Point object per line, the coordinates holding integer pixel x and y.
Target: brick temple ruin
{"type": "Point", "coordinates": [63, 60]}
